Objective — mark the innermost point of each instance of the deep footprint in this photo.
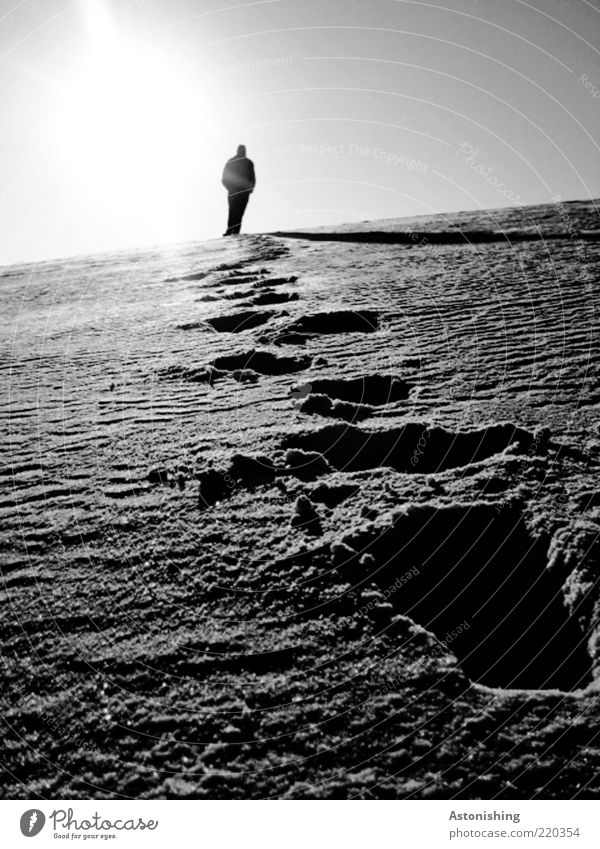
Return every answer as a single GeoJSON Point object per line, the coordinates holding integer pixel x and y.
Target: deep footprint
{"type": "Point", "coordinates": [239, 321]}
{"type": "Point", "coordinates": [245, 471]}
{"type": "Point", "coordinates": [413, 448]}
{"type": "Point", "coordinates": [274, 281]}
{"type": "Point", "coordinates": [473, 565]}
{"type": "Point", "coordinates": [275, 298]}
{"type": "Point", "coordinates": [244, 367]}
{"type": "Point", "coordinates": [323, 405]}
{"type": "Point", "coordinates": [373, 389]}
{"type": "Point", "coordinates": [237, 280]}
{"type": "Point", "coordinates": [235, 323]}
{"type": "Point", "coordinates": [347, 448]}
{"type": "Point", "coordinates": [262, 362]}
{"type": "Point", "coordinates": [340, 321]}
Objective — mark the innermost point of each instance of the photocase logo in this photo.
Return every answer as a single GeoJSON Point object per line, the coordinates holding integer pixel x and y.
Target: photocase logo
{"type": "Point", "coordinates": [32, 822]}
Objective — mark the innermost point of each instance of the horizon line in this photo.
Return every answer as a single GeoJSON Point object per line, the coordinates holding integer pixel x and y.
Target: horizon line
{"type": "Point", "coordinates": [308, 233]}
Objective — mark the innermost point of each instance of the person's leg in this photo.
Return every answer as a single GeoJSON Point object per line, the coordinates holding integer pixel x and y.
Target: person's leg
{"type": "Point", "coordinates": [237, 206]}
{"type": "Point", "coordinates": [231, 218]}
{"type": "Point", "coordinates": [241, 204]}
{"type": "Point", "coordinates": [246, 199]}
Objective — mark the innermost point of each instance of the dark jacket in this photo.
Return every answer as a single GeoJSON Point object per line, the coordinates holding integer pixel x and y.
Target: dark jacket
{"type": "Point", "coordinates": [238, 175]}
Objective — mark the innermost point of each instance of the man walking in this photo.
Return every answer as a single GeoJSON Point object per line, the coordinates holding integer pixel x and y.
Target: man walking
{"type": "Point", "coordinates": [239, 180]}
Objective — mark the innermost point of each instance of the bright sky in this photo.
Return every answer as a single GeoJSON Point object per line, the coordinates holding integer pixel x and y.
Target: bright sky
{"type": "Point", "coordinates": [116, 116]}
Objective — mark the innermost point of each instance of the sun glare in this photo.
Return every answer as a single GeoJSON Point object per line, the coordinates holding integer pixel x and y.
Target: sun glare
{"type": "Point", "coordinates": [131, 127]}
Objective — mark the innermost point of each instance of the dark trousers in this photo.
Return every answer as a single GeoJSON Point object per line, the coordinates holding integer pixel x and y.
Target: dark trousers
{"type": "Point", "coordinates": [237, 206]}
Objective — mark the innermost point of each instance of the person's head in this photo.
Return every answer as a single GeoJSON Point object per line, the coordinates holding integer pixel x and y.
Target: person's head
{"type": "Point", "coordinates": [241, 151]}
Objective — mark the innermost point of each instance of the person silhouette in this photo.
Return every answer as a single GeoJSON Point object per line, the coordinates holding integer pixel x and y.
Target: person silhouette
{"type": "Point", "coordinates": [239, 179]}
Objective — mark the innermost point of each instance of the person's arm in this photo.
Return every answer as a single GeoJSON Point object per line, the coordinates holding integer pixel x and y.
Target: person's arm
{"type": "Point", "coordinates": [252, 176]}
{"type": "Point", "coordinates": [225, 177]}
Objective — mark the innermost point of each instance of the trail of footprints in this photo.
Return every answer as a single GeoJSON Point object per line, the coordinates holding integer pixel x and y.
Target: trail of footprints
{"type": "Point", "coordinates": [472, 533]}
{"type": "Point", "coordinates": [340, 447]}
{"type": "Point", "coordinates": [349, 400]}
